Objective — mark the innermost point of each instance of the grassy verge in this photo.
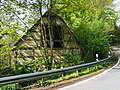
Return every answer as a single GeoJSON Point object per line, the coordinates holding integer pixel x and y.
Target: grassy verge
{"type": "Point", "coordinates": [81, 72]}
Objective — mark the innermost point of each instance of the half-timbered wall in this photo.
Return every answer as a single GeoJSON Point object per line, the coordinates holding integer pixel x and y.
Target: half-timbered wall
{"type": "Point", "coordinates": [31, 48]}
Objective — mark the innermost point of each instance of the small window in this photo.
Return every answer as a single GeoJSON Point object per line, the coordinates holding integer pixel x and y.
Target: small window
{"type": "Point", "coordinates": [57, 37]}
{"type": "Point", "coordinates": [56, 33]}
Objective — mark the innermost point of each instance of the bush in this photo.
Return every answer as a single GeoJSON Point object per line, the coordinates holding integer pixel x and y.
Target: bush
{"type": "Point", "coordinates": [7, 71]}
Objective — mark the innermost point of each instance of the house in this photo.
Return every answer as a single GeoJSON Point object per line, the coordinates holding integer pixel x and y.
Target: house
{"type": "Point", "coordinates": [49, 33]}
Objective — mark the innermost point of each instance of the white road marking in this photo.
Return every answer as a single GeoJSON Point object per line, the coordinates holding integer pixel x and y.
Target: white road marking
{"type": "Point", "coordinates": [78, 83]}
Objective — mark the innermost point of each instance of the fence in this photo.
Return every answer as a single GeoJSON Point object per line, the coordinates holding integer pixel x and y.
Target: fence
{"type": "Point", "coordinates": [38, 75]}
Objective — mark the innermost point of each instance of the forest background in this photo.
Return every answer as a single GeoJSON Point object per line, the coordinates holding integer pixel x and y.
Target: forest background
{"type": "Point", "coordinates": [93, 22]}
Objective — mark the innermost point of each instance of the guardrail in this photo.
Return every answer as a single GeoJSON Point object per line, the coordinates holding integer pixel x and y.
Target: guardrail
{"type": "Point", "coordinates": [38, 75]}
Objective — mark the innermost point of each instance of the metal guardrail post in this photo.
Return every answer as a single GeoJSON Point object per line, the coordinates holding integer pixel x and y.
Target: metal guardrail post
{"type": "Point", "coordinates": [77, 73]}
{"type": "Point", "coordinates": [62, 73]}
{"type": "Point", "coordinates": [109, 54]}
{"type": "Point", "coordinates": [88, 69]}
{"type": "Point", "coordinates": [97, 57]}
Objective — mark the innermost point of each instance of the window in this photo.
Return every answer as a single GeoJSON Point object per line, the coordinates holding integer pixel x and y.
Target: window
{"type": "Point", "coordinates": [56, 33]}
{"type": "Point", "coordinates": [57, 37]}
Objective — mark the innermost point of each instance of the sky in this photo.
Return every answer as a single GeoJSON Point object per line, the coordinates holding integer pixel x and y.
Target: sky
{"type": "Point", "coordinates": [117, 8]}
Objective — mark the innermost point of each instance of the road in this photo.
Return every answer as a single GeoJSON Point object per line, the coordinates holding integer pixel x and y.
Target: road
{"type": "Point", "coordinates": [108, 80]}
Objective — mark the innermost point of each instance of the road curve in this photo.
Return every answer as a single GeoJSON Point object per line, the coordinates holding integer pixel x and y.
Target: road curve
{"type": "Point", "coordinates": [108, 80]}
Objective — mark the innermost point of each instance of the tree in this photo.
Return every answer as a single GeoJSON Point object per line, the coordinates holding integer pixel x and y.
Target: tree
{"type": "Point", "coordinates": [90, 20]}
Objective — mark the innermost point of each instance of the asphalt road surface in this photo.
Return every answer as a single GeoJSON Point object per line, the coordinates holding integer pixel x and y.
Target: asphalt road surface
{"type": "Point", "coordinates": [109, 80]}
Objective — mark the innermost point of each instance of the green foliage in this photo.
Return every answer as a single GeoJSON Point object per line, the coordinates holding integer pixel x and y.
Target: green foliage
{"type": "Point", "coordinates": [21, 68]}
{"type": "Point", "coordinates": [93, 38]}
{"type": "Point", "coordinates": [6, 71]}
{"type": "Point", "coordinates": [37, 65]}
{"type": "Point", "coordinates": [43, 82]}
{"type": "Point", "coordinates": [26, 67]}
{"type": "Point", "coordinates": [71, 59]}
{"type": "Point", "coordinates": [8, 36]}
{"type": "Point", "coordinates": [116, 35]}
{"type": "Point", "coordinates": [7, 87]}
{"type": "Point", "coordinates": [91, 21]}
